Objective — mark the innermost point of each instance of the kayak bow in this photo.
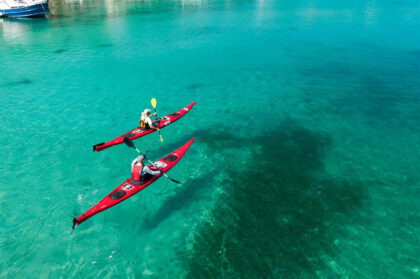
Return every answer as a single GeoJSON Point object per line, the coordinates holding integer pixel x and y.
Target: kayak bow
{"type": "Point", "coordinates": [127, 188]}
{"type": "Point", "coordinates": [141, 132]}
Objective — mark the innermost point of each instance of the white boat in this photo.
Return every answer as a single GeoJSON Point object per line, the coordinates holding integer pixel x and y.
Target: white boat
{"type": "Point", "coordinates": [23, 8]}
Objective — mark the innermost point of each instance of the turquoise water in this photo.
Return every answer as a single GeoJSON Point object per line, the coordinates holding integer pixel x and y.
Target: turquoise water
{"type": "Point", "coordinates": [306, 163]}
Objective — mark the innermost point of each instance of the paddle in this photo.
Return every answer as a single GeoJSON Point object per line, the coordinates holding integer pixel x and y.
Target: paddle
{"type": "Point", "coordinates": [153, 101]}
{"type": "Point", "coordinates": [130, 143]}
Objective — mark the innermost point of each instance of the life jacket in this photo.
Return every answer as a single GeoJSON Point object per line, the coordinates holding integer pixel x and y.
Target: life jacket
{"type": "Point", "coordinates": [135, 174]}
{"type": "Point", "coordinates": [142, 123]}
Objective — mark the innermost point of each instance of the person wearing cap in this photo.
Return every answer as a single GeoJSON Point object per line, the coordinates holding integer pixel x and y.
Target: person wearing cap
{"type": "Point", "coordinates": [139, 172]}
{"type": "Point", "coordinates": [146, 121]}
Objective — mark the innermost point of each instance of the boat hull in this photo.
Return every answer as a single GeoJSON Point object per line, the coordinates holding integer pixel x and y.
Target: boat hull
{"type": "Point", "coordinates": [138, 132]}
{"type": "Point", "coordinates": [128, 189]}
{"type": "Point", "coordinates": [37, 10]}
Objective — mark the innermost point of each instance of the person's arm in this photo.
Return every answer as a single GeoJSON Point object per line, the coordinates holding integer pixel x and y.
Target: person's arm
{"type": "Point", "coordinates": [150, 122]}
{"type": "Point", "coordinates": [148, 170]}
{"type": "Point", "coordinates": [132, 164]}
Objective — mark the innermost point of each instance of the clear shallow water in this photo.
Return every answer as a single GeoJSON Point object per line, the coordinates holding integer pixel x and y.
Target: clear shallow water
{"type": "Point", "coordinates": [327, 185]}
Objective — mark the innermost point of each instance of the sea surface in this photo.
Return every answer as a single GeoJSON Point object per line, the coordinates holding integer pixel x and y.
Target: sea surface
{"type": "Point", "coordinates": [306, 162]}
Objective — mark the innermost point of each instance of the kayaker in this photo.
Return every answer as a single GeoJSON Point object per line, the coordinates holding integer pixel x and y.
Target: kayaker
{"type": "Point", "coordinates": [146, 121]}
{"type": "Point", "coordinates": [139, 172]}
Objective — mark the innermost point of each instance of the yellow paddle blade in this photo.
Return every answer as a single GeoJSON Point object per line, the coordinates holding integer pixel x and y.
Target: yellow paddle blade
{"type": "Point", "coordinates": [161, 139]}
{"type": "Point", "coordinates": [153, 101]}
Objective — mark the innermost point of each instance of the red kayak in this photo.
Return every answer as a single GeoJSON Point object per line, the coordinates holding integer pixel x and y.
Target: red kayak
{"type": "Point", "coordinates": [141, 132]}
{"type": "Point", "coordinates": [127, 188]}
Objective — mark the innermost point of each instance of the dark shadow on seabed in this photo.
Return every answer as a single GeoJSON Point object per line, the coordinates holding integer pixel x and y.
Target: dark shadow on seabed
{"type": "Point", "coordinates": [279, 213]}
{"type": "Point", "coordinates": [183, 197]}
{"type": "Point", "coordinates": [192, 188]}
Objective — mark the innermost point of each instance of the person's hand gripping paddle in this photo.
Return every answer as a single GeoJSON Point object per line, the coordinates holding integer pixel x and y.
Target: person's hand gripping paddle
{"type": "Point", "coordinates": [153, 101]}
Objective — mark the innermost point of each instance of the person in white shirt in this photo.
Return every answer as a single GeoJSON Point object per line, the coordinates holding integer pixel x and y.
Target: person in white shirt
{"type": "Point", "coordinates": [145, 120]}
{"type": "Point", "coordinates": [139, 172]}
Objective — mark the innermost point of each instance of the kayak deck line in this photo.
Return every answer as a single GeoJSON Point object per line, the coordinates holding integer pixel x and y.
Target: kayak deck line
{"type": "Point", "coordinates": [138, 132]}
{"type": "Point", "coordinates": [128, 189]}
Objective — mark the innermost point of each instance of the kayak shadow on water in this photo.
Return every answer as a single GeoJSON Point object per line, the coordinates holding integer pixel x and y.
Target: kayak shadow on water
{"type": "Point", "coordinates": [190, 191]}
{"type": "Point", "coordinates": [21, 81]}
{"type": "Point", "coordinates": [204, 136]}
{"type": "Point", "coordinates": [197, 134]}
{"type": "Point", "coordinates": [280, 210]}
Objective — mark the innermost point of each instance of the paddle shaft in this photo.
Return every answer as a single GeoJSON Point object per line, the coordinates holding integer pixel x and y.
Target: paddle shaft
{"type": "Point", "coordinates": [154, 107]}
{"type": "Point", "coordinates": [160, 135]}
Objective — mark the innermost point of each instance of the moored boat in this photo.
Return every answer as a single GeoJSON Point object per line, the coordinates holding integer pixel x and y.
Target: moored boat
{"type": "Point", "coordinates": [23, 8]}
